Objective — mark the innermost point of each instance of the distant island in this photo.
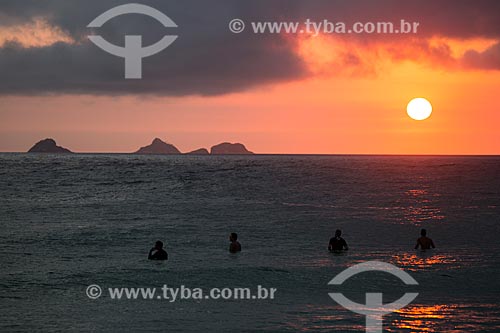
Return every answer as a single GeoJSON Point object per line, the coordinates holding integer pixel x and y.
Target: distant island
{"type": "Point", "coordinates": [227, 148]}
{"type": "Point", "coordinates": [48, 146]}
{"type": "Point", "coordinates": [157, 147]}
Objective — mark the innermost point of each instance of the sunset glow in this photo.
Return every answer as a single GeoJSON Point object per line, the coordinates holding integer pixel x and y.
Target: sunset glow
{"type": "Point", "coordinates": [333, 93]}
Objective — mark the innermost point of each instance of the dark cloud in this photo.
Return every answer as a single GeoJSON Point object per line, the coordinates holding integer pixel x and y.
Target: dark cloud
{"type": "Point", "coordinates": [205, 59]}
{"type": "Point", "coordinates": [489, 59]}
{"type": "Point", "coordinates": [208, 59]}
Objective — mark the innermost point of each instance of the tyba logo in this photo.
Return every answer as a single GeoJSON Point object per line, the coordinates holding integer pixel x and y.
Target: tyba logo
{"type": "Point", "coordinates": [133, 52]}
{"type": "Point", "coordinates": [374, 309]}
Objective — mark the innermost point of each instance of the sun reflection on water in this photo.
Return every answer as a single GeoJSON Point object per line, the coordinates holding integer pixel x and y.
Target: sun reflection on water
{"type": "Point", "coordinates": [421, 318]}
{"type": "Point", "coordinates": [420, 206]}
{"type": "Point", "coordinates": [422, 260]}
{"type": "Point", "coordinates": [440, 318]}
{"type": "Point", "coordinates": [449, 318]}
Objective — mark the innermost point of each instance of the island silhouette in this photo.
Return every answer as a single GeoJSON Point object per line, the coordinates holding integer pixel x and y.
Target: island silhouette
{"type": "Point", "coordinates": [227, 148]}
{"type": "Point", "coordinates": [157, 147]}
{"type": "Point", "coordinates": [48, 146]}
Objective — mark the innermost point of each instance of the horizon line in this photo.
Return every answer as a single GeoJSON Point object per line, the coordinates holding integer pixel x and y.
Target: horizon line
{"type": "Point", "coordinates": [253, 154]}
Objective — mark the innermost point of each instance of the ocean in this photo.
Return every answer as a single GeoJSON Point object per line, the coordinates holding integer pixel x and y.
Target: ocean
{"type": "Point", "coordinates": [70, 221]}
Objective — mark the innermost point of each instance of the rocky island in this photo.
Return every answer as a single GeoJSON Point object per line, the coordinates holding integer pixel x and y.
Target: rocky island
{"type": "Point", "coordinates": [48, 146]}
{"type": "Point", "coordinates": [227, 148]}
{"type": "Point", "coordinates": [159, 147]}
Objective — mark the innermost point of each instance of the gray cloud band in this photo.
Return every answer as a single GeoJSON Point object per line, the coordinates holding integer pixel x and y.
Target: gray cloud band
{"type": "Point", "coordinates": [207, 59]}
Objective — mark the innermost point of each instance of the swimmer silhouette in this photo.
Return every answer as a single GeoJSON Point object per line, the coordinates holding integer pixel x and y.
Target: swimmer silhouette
{"type": "Point", "coordinates": [424, 242]}
{"type": "Point", "coordinates": [235, 246]}
{"type": "Point", "coordinates": [337, 243]}
{"type": "Point", "coordinates": [157, 252]}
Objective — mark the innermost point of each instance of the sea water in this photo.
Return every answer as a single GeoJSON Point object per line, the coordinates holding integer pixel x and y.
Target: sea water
{"type": "Point", "coordinates": [69, 221]}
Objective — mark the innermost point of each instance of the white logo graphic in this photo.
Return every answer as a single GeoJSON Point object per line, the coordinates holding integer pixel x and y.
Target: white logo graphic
{"type": "Point", "coordinates": [133, 52]}
{"type": "Point", "coordinates": [374, 309]}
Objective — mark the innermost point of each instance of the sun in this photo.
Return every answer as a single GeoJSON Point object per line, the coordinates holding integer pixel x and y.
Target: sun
{"type": "Point", "coordinates": [419, 109]}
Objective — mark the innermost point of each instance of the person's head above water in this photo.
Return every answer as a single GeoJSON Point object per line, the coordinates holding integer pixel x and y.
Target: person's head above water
{"type": "Point", "coordinates": [157, 252]}
{"type": "Point", "coordinates": [235, 246]}
{"type": "Point", "coordinates": [337, 243]}
{"type": "Point", "coordinates": [424, 242]}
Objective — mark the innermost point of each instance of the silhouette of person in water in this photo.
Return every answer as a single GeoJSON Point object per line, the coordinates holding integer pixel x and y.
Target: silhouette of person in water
{"type": "Point", "coordinates": [424, 242]}
{"type": "Point", "coordinates": [157, 252]}
{"type": "Point", "coordinates": [337, 243]}
{"type": "Point", "coordinates": [235, 246]}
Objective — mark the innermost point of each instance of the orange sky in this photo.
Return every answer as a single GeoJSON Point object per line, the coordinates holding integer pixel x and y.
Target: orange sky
{"type": "Point", "coordinates": [339, 109]}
